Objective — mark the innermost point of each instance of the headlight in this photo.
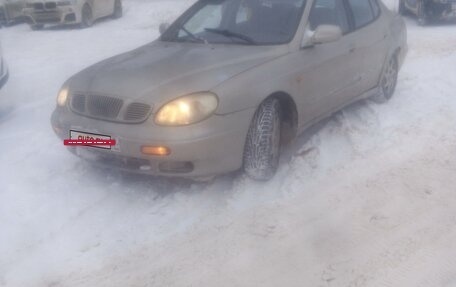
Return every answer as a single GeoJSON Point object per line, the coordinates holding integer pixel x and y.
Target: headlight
{"type": "Point", "coordinates": [62, 97]}
{"type": "Point", "coordinates": [187, 110]}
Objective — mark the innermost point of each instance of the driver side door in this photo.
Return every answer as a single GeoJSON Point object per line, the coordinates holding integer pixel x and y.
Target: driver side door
{"type": "Point", "coordinates": [328, 74]}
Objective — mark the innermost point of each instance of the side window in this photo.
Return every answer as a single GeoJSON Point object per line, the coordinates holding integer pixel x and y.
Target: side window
{"type": "Point", "coordinates": [329, 12]}
{"type": "Point", "coordinates": [362, 12]}
{"type": "Point", "coordinates": [375, 7]}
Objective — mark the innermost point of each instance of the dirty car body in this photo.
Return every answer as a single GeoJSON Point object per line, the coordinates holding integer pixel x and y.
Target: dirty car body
{"type": "Point", "coordinates": [184, 104]}
{"type": "Point", "coordinates": [40, 12]}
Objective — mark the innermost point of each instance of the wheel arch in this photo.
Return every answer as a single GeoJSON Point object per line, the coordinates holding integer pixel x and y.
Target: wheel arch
{"type": "Point", "coordinates": [289, 113]}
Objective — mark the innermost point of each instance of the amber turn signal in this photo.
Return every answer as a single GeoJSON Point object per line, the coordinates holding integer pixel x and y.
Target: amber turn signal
{"type": "Point", "coordinates": [156, 150]}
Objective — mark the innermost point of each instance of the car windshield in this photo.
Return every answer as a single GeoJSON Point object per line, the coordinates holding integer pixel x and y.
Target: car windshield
{"type": "Point", "coordinates": [249, 22]}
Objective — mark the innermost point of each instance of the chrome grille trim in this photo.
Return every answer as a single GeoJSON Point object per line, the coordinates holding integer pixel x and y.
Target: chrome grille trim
{"type": "Point", "coordinates": [137, 112]}
{"type": "Point", "coordinates": [109, 108]}
{"type": "Point", "coordinates": [78, 103]}
{"type": "Point", "coordinates": [50, 5]}
{"type": "Point", "coordinates": [103, 106]}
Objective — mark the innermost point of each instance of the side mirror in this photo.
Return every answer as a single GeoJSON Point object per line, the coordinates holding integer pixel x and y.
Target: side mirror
{"type": "Point", "coordinates": [163, 27]}
{"type": "Point", "coordinates": [326, 34]}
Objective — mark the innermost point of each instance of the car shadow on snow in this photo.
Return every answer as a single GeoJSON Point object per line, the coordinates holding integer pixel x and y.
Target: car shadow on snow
{"type": "Point", "coordinates": [160, 186]}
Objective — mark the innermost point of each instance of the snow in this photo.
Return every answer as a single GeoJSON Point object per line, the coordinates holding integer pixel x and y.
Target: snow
{"type": "Point", "coordinates": [364, 199]}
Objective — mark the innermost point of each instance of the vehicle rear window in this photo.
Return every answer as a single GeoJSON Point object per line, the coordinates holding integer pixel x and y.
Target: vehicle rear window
{"type": "Point", "coordinates": [362, 12]}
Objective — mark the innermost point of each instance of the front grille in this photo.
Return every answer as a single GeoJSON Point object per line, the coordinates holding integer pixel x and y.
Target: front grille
{"type": "Point", "coordinates": [38, 6]}
{"type": "Point", "coordinates": [137, 112]}
{"type": "Point", "coordinates": [109, 108]}
{"type": "Point", "coordinates": [50, 5]}
{"type": "Point", "coordinates": [78, 103]}
{"type": "Point", "coordinates": [46, 18]}
{"type": "Point", "coordinates": [103, 106]}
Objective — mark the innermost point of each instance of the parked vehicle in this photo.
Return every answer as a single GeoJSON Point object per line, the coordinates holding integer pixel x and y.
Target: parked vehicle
{"type": "Point", "coordinates": [428, 10]}
{"type": "Point", "coordinates": [231, 81]}
{"type": "Point", "coordinates": [81, 12]}
{"type": "Point", "coordinates": [3, 70]}
{"type": "Point", "coordinates": [11, 11]}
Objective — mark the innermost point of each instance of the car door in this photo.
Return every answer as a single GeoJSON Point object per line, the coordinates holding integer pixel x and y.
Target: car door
{"type": "Point", "coordinates": [327, 72]}
{"type": "Point", "coordinates": [371, 31]}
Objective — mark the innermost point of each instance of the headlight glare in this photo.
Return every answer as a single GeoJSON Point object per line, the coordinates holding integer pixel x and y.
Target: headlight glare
{"type": "Point", "coordinates": [187, 110]}
{"type": "Point", "coordinates": [62, 97]}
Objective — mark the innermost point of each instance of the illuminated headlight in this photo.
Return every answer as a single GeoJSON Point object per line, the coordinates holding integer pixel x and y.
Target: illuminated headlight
{"type": "Point", "coordinates": [62, 97]}
{"type": "Point", "coordinates": [187, 110]}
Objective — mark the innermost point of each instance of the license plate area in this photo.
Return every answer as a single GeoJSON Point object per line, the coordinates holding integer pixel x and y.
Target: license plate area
{"type": "Point", "coordinates": [78, 135]}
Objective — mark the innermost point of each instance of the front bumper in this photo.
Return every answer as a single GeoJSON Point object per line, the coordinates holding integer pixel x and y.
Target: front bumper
{"type": "Point", "coordinates": [59, 15]}
{"type": "Point", "coordinates": [212, 147]}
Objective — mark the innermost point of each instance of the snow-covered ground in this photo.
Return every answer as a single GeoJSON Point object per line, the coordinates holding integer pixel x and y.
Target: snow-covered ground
{"type": "Point", "coordinates": [367, 198]}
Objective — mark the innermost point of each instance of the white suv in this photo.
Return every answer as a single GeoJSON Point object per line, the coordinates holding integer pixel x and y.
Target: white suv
{"type": "Point", "coordinates": [82, 12]}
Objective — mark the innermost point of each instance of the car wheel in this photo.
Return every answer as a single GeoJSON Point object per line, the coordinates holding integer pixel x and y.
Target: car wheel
{"type": "Point", "coordinates": [37, 27]}
{"type": "Point", "coordinates": [262, 149]}
{"type": "Point", "coordinates": [118, 10]}
{"type": "Point", "coordinates": [388, 81]}
{"type": "Point", "coordinates": [87, 16]}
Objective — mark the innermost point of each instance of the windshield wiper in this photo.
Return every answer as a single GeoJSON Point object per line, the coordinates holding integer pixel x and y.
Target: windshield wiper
{"type": "Point", "coordinates": [231, 34]}
{"type": "Point", "coordinates": [193, 36]}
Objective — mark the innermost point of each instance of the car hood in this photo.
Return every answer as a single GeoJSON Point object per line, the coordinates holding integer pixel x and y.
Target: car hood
{"type": "Point", "coordinates": [161, 71]}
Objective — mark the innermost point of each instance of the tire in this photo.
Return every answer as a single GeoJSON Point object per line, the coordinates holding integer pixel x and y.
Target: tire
{"type": "Point", "coordinates": [388, 81]}
{"type": "Point", "coordinates": [262, 149]}
{"type": "Point", "coordinates": [118, 9]}
{"type": "Point", "coordinates": [86, 16]}
{"type": "Point", "coordinates": [36, 27]}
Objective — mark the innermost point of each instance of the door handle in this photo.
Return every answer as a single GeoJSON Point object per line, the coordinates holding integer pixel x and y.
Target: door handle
{"type": "Point", "coordinates": [352, 49]}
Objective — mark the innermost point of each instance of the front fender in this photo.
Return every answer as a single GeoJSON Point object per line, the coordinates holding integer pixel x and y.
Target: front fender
{"type": "Point", "coordinates": [248, 89]}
